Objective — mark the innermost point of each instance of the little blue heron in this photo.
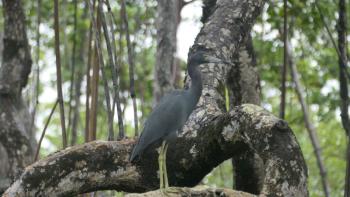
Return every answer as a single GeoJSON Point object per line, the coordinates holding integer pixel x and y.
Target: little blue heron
{"type": "Point", "coordinates": [171, 113]}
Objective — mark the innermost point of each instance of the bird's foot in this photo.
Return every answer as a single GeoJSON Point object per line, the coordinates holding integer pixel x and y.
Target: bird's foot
{"type": "Point", "coordinates": [167, 191]}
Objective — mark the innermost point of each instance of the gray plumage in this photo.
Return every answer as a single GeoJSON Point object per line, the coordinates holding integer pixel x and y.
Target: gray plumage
{"type": "Point", "coordinates": [174, 108]}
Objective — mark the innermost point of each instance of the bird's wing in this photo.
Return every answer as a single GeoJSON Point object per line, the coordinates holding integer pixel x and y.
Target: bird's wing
{"type": "Point", "coordinates": [168, 96]}
{"type": "Point", "coordinates": [167, 117]}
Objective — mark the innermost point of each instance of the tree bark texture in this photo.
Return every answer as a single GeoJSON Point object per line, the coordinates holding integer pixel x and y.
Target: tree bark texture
{"type": "Point", "coordinates": [209, 137]}
{"type": "Point", "coordinates": [166, 47]}
{"type": "Point", "coordinates": [17, 62]}
{"type": "Point", "coordinates": [342, 41]}
{"type": "Point", "coordinates": [196, 191]}
{"type": "Point", "coordinates": [343, 82]}
{"type": "Point", "coordinates": [244, 87]}
{"type": "Point", "coordinates": [243, 79]}
{"type": "Point", "coordinates": [16, 136]}
{"type": "Point", "coordinates": [5, 181]}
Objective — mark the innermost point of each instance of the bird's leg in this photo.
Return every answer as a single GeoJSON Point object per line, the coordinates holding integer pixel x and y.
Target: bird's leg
{"type": "Point", "coordinates": [165, 170]}
{"type": "Point", "coordinates": [161, 164]}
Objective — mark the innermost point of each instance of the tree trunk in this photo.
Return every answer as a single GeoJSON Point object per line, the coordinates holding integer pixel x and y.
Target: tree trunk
{"type": "Point", "coordinates": [166, 47]}
{"type": "Point", "coordinates": [244, 87]}
{"type": "Point", "coordinates": [15, 127]}
{"type": "Point", "coordinates": [343, 82]}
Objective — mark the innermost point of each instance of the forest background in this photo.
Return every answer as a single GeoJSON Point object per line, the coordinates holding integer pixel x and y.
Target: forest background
{"type": "Point", "coordinates": [313, 53]}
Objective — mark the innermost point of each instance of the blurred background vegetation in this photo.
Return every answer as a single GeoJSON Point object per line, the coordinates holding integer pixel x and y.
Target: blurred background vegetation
{"type": "Point", "coordinates": [314, 55]}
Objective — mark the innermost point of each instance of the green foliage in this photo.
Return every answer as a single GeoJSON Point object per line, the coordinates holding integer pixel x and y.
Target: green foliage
{"type": "Point", "coordinates": [317, 63]}
{"type": "Point", "coordinates": [221, 176]}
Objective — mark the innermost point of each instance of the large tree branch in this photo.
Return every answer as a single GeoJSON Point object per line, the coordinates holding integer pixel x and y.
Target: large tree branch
{"type": "Point", "coordinates": [197, 191]}
{"type": "Point", "coordinates": [104, 165]}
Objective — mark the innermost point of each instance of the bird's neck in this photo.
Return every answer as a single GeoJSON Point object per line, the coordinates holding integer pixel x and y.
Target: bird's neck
{"type": "Point", "coordinates": [196, 82]}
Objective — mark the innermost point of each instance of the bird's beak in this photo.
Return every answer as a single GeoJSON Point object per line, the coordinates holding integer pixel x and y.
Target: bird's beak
{"type": "Point", "coordinates": [212, 59]}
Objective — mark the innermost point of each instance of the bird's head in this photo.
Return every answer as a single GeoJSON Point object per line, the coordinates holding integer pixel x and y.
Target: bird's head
{"type": "Point", "coordinates": [202, 57]}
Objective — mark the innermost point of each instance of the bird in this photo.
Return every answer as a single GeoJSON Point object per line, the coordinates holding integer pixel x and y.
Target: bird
{"type": "Point", "coordinates": [171, 114]}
